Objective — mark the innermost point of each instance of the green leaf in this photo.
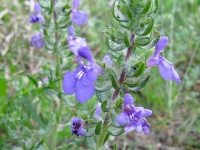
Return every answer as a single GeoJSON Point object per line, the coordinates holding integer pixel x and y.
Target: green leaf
{"type": "Point", "coordinates": [33, 113]}
{"type": "Point", "coordinates": [33, 80]}
{"type": "Point", "coordinates": [140, 69]}
{"type": "Point", "coordinates": [147, 7]}
{"type": "Point", "coordinates": [98, 128]}
{"type": "Point", "coordinates": [115, 131]}
{"type": "Point", "coordinates": [118, 48]}
{"type": "Point", "coordinates": [155, 6]}
{"type": "Point", "coordinates": [106, 137]}
{"type": "Point", "coordinates": [141, 85]}
{"type": "Point", "coordinates": [152, 43]}
{"type": "Point", "coordinates": [142, 41]}
{"type": "Point", "coordinates": [119, 60]}
{"type": "Point", "coordinates": [114, 80]}
{"type": "Point", "coordinates": [144, 26]}
{"type": "Point", "coordinates": [103, 106]}
{"type": "Point", "coordinates": [124, 19]}
{"type": "Point", "coordinates": [90, 142]}
{"type": "Point", "coordinates": [126, 39]}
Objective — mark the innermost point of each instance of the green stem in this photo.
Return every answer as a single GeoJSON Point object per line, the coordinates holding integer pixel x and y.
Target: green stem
{"type": "Point", "coordinates": [104, 130]}
{"type": "Point", "coordinates": [58, 75]}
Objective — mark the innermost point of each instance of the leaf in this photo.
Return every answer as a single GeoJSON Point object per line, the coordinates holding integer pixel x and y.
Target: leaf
{"type": "Point", "coordinates": [104, 88]}
{"type": "Point", "coordinates": [113, 13]}
{"type": "Point", "coordinates": [33, 80]}
{"type": "Point", "coordinates": [106, 137]}
{"type": "Point", "coordinates": [126, 39]}
{"type": "Point", "coordinates": [119, 60]}
{"type": "Point", "coordinates": [140, 69]}
{"type": "Point", "coordinates": [142, 41]}
{"type": "Point", "coordinates": [98, 128]}
{"type": "Point", "coordinates": [155, 6]}
{"type": "Point", "coordinates": [147, 7]}
{"type": "Point", "coordinates": [141, 85]}
{"type": "Point", "coordinates": [114, 80]}
{"type": "Point", "coordinates": [117, 48]}
{"type": "Point", "coordinates": [144, 26]}
{"type": "Point", "coordinates": [103, 106]}
{"type": "Point", "coordinates": [115, 131]}
{"type": "Point", "coordinates": [33, 113]}
{"type": "Point", "coordinates": [152, 43]}
{"type": "Point", "coordinates": [90, 142]}
{"type": "Point", "coordinates": [115, 146]}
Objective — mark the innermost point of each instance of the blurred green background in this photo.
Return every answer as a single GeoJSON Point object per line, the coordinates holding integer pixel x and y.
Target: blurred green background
{"type": "Point", "coordinates": [176, 113]}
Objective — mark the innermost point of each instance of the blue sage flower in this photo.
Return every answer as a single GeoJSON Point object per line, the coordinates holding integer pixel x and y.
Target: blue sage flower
{"type": "Point", "coordinates": [81, 80]}
{"type": "Point", "coordinates": [133, 117]}
{"type": "Point", "coordinates": [78, 17]}
{"type": "Point", "coordinates": [77, 126]}
{"type": "Point", "coordinates": [98, 112]}
{"type": "Point", "coordinates": [37, 40]}
{"type": "Point", "coordinates": [107, 60]}
{"type": "Point", "coordinates": [37, 16]}
{"type": "Point", "coordinates": [74, 42]}
{"type": "Point", "coordinates": [166, 69]}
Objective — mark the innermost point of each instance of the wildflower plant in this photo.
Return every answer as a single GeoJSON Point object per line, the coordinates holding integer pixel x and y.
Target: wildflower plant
{"type": "Point", "coordinates": [108, 82]}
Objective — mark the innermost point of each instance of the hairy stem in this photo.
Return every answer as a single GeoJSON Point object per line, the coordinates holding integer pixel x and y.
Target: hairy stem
{"type": "Point", "coordinates": [58, 75]}
{"type": "Point", "coordinates": [104, 130]}
{"type": "Point", "coordinates": [123, 73]}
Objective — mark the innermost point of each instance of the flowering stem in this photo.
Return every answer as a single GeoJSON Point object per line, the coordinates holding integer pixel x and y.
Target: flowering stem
{"type": "Point", "coordinates": [58, 74]}
{"type": "Point", "coordinates": [123, 73]}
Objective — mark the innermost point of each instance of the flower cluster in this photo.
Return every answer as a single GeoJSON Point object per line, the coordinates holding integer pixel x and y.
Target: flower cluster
{"type": "Point", "coordinates": [36, 17]}
{"type": "Point", "coordinates": [133, 117]}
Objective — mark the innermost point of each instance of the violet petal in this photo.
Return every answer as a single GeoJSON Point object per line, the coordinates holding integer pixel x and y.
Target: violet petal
{"type": "Point", "coordinates": [122, 119]}
{"type": "Point", "coordinates": [68, 83]}
{"type": "Point", "coordinates": [128, 99]}
{"type": "Point", "coordinates": [84, 90]}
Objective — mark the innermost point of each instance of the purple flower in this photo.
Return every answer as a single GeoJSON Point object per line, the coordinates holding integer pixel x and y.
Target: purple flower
{"type": "Point", "coordinates": [37, 16]}
{"type": "Point", "coordinates": [98, 112]}
{"type": "Point", "coordinates": [166, 69]}
{"type": "Point", "coordinates": [37, 40]}
{"type": "Point", "coordinates": [107, 60]}
{"type": "Point", "coordinates": [78, 17]}
{"type": "Point", "coordinates": [133, 117]}
{"type": "Point", "coordinates": [77, 125]}
{"type": "Point", "coordinates": [81, 80]}
{"type": "Point", "coordinates": [74, 42]}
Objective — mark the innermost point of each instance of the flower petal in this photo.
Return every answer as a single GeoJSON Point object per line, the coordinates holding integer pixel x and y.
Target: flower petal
{"type": "Point", "coordinates": [76, 3]}
{"type": "Point", "coordinates": [79, 17]}
{"type": "Point", "coordinates": [75, 43]}
{"type": "Point", "coordinates": [152, 61]}
{"type": "Point", "coordinates": [147, 113]}
{"type": "Point", "coordinates": [37, 8]}
{"type": "Point", "coordinates": [160, 45]}
{"type": "Point", "coordinates": [175, 76]}
{"type": "Point", "coordinates": [129, 128]}
{"type": "Point", "coordinates": [75, 119]}
{"type": "Point", "coordinates": [91, 75]}
{"type": "Point", "coordinates": [122, 119]}
{"type": "Point", "coordinates": [139, 129]}
{"type": "Point", "coordinates": [165, 69]}
{"type": "Point", "coordinates": [84, 90]}
{"type": "Point", "coordinates": [107, 60]}
{"type": "Point", "coordinates": [81, 131]}
{"type": "Point", "coordinates": [71, 31]}
{"type": "Point", "coordinates": [68, 83]}
{"type": "Point", "coordinates": [128, 99]}
{"type": "Point", "coordinates": [85, 53]}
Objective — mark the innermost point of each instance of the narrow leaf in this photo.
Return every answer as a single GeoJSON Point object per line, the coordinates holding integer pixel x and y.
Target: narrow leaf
{"type": "Point", "coordinates": [98, 128]}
